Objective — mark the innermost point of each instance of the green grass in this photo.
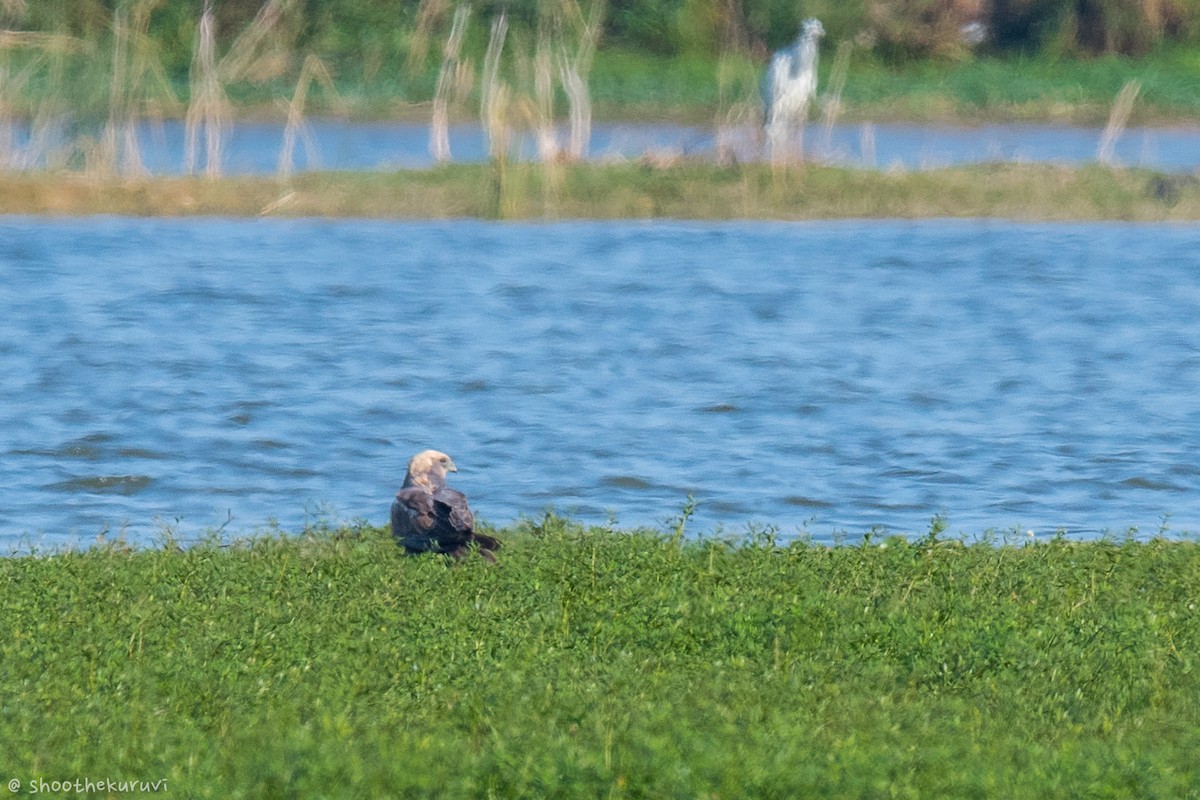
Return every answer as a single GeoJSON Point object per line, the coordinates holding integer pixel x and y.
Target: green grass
{"type": "Point", "coordinates": [684, 190]}
{"type": "Point", "coordinates": [600, 663]}
{"type": "Point", "coordinates": [1041, 89]}
{"type": "Point", "coordinates": [984, 89]}
{"type": "Point", "coordinates": [626, 85]}
{"type": "Point", "coordinates": [632, 85]}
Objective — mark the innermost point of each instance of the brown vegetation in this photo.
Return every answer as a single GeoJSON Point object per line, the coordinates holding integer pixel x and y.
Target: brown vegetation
{"type": "Point", "coordinates": [690, 190]}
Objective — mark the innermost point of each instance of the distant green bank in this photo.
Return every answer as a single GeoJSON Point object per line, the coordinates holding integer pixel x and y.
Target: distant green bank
{"type": "Point", "coordinates": [682, 59]}
{"type": "Point", "coordinates": [681, 189]}
{"type": "Point", "coordinates": [702, 89]}
{"type": "Point", "coordinates": [602, 663]}
{"type": "Point", "coordinates": [625, 85]}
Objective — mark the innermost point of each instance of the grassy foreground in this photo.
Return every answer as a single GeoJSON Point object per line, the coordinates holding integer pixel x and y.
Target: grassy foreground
{"type": "Point", "coordinates": [594, 663]}
{"type": "Point", "coordinates": [686, 190]}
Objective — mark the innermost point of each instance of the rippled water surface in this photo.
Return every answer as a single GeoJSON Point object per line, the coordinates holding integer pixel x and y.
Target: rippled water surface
{"type": "Point", "coordinates": [255, 148]}
{"type": "Point", "coordinates": [821, 377]}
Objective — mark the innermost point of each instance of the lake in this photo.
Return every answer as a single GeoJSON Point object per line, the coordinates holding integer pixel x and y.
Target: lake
{"type": "Point", "coordinates": [253, 148]}
{"type": "Point", "coordinates": [827, 378]}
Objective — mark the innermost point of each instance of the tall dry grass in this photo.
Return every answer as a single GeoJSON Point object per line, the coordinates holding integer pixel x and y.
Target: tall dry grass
{"type": "Point", "coordinates": [48, 140]}
{"type": "Point", "coordinates": [545, 134]}
{"type": "Point", "coordinates": [260, 52]}
{"type": "Point", "coordinates": [1117, 119]}
{"type": "Point", "coordinates": [255, 54]}
{"type": "Point", "coordinates": [866, 139]}
{"type": "Point", "coordinates": [739, 109]}
{"type": "Point", "coordinates": [579, 32]}
{"type": "Point", "coordinates": [832, 97]}
{"type": "Point", "coordinates": [208, 110]}
{"type": "Point", "coordinates": [39, 51]}
{"type": "Point", "coordinates": [495, 93]}
{"type": "Point", "coordinates": [314, 70]}
{"type": "Point", "coordinates": [139, 89]}
{"type": "Point", "coordinates": [429, 15]}
{"type": "Point", "coordinates": [449, 77]}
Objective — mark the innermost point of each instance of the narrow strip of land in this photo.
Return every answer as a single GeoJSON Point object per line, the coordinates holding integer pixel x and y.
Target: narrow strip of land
{"type": "Point", "coordinates": [631, 190]}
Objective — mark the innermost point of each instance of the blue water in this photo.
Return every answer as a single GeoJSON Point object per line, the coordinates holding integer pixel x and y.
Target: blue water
{"type": "Point", "coordinates": [254, 147]}
{"type": "Point", "coordinates": [826, 378]}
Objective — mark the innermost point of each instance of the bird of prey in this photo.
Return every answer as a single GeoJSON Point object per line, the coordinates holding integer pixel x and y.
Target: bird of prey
{"type": "Point", "coordinates": [430, 517]}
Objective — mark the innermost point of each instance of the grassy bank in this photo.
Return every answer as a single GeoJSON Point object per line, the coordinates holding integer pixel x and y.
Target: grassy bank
{"type": "Point", "coordinates": [985, 89]}
{"type": "Point", "coordinates": [607, 664]}
{"type": "Point", "coordinates": [697, 89]}
{"type": "Point", "coordinates": [596, 191]}
{"type": "Point", "coordinates": [655, 59]}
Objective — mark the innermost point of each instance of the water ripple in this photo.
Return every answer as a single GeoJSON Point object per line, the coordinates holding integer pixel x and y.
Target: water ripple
{"type": "Point", "coordinates": [117, 484]}
{"type": "Point", "coordinates": [828, 377]}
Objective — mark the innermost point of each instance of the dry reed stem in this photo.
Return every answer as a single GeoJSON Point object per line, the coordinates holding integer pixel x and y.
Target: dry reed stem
{"type": "Point", "coordinates": [429, 14]}
{"type": "Point", "coordinates": [134, 60]}
{"type": "Point", "coordinates": [117, 132]}
{"type": "Point", "coordinates": [246, 51]}
{"type": "Point", "coordinates": [494, 94]}
{"type": "Point", "coordinates": [580, 106]}
{"type": "Point", "coordinates": [545, 135]}
{"type": "Point", "coordinates": [833, 96]}
{"type": "Point", "coordinates": [150, 101]}
{"type": "Point", "coordinates": [278, 204]}
{"type": "Point", "coordinates": [735, 113]}
{"type": "Point", "coordinates": [1117, 119]}
{"type": "Point", "coordinates": [574, 67]}
{"type": "Point", "coordinates": [41, 42]}
{"type": "Point", "coordinates": [464, 82]}
{"type": "Point", "coordinates": [11, 157]}
{"type": "Point", "coordinates": [448, 76]}
{"type": "Point", "coordinates": [246, 60]}
{"type": "Point", "coordinates": [740, 122]}
{"type": "Point", "coordinates": [46, 135]}
{"type": "Point", "coordinates": [209, 107]}
{"type": "Point", "coordinates": [313, 69]}
{"type": "Point", "coordinates": [106, 157]}
{"type": "Point", "coordinates": [136, 95]}
{"type": "Point", "coordinates": [8, 145]}
{"type": "Point", "coordinates": [866, 139]}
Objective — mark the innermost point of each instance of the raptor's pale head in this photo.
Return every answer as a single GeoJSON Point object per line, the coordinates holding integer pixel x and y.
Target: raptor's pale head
{"type": "Point", "coordinates": [428, 469]}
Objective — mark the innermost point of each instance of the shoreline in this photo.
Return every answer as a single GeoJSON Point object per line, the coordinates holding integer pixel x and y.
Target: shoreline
{"type": "Point", "coordinates": [679, 189]}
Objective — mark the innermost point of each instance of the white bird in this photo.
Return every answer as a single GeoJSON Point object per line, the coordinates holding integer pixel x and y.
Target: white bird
{"type": "Point", "coordinates": [791, 83]}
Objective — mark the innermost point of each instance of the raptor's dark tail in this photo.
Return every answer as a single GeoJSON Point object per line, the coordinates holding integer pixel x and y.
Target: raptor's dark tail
{"type": "Point", "coordinates": [488, 545]}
